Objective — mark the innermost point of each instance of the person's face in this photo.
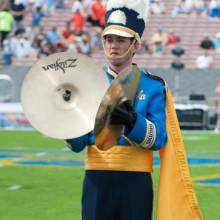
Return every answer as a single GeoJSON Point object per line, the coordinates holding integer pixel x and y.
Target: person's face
{"type": "Point", "coordinates": [116, 47]}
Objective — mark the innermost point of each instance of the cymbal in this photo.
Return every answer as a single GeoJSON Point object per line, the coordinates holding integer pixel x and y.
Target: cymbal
{"type": "Point", "coordinates": [124, 87]}
{"type": "Point", "coordinates": [61, 94]}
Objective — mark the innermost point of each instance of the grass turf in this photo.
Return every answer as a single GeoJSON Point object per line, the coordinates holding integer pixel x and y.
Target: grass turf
{"type": "Point", "coordinates": [49, 193]}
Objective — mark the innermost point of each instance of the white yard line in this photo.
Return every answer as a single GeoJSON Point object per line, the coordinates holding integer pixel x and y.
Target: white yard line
{"type": "Point", "coordinates": [14, 187]}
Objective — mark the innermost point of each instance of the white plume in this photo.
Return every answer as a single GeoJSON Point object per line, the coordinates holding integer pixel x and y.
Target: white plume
{"type": "Point", "coordinates": [140, 6]}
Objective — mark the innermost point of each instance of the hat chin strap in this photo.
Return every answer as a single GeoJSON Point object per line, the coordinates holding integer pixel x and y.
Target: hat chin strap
{"type": "Point", "coordinates": [124, 54]}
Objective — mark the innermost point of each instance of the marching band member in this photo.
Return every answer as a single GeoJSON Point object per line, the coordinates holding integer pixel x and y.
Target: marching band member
{"type": "Point", "coordinates": [118, 183]}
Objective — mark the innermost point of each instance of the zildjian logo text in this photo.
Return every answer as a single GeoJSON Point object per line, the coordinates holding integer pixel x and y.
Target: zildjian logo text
{"type": "Point", "coordinates": [61, 65]}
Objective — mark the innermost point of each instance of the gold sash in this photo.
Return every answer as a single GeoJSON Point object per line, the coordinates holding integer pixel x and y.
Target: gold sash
{"type": "Point", "coordinates": [119, 158]}
{"type": "Point", "coordinates": [176, 197]}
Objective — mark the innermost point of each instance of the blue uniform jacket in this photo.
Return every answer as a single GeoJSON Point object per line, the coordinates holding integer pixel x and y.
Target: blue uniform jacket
{"type": "Point", "coordinates": [149, 130]}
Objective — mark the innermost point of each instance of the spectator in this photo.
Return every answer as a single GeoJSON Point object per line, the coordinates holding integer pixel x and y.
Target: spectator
{"type": "Point", "coordinates": [49, 7]}
{"type": "Point", "coordinates": [213, 9]}
{"type": "Point", "coordinates": [216, 42]}
{"type": "Point", "coordinates": [71, 43]}
{"type": "Point", "coordinates": [78, 22]}
{"type": "Point", "coordinates": [37, 16]}
{"type": "Point", "coordinates": [188, 6]}
{"type": "Point", "coordinates": [68, 37]}
{"type": "Point", "coordinates": [157, 7]}
{"type": "Point", "coordinates": [46, 49]}
{"type": "Point", "coordinates": [66, 32]}
{"type": "Point", "coordinates": [18, 12]}
{"type": "Point", "coordinates": [207, 43]}
{"type": "Point", "coordinates": [172, 38]}
{"type": "Point", "coordinates": [60, 4]}
{"type": "Point", "coordinates": [60, 47]}
{"type": "Point", "coordinates": [84, 45]}
{"type": "Point", "coordinates": [22, 46]}
{"type": "Point", "coordinates": [77, 6]}
{"type": "Point", "coordinates": [30, 5]}
{"type": "Point", "coordinates": [6, 23]}
{"type": "Point", "coordinates": [200, 7]}
{"type": "Point", "coordinates": [159, 41]}
{"type": "Point", "coordinates": [87, 5]}
{"type": "Point", "coordinates": [40, 36]}
{"type": "Point", "coordinates": [42, 44]}
{"type": "Point", "coordinates": [96, 41]}
{"type": "Point", "coordinates": [146, 47]}
{"type": "Point", "coordinates": [204, 61]}
{"type": "Point", "coordinates": [19, 31]}
{"type": "Point", "coordinates": [31, 31]}
{"type": "Point", "coordinates": [97, 13]}
{"type": "Point", "coordinates": [53, 36]}
{"type": "Point", "coordinates": [178, 9]}
{"type": "Point", "coordinates": [7, 52]}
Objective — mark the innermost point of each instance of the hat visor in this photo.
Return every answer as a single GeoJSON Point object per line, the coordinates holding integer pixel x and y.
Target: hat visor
{"type": "Point", "coordinates": [117, 32]}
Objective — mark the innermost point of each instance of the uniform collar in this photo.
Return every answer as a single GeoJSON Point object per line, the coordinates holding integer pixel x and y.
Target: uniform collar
{"type": "Point", "coordinates": [112, 72]}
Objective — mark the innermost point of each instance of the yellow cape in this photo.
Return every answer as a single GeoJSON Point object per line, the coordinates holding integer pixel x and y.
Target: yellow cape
{"type": "Point", "coordinates": [176, 198]}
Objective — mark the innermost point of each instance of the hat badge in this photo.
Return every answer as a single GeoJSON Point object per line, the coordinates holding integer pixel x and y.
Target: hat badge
{"type": "Point", "coordinates": [117, 17]}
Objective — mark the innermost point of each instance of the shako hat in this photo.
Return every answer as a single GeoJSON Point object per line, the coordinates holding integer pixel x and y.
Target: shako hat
{"type": "Point", "coordinates": [126, 18]}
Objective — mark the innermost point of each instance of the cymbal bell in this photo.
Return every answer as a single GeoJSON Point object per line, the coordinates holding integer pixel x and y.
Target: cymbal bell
{"type": "Point", "coordinates": [124, 87]}
{"type": "Point", "coordinates": [61, 94]}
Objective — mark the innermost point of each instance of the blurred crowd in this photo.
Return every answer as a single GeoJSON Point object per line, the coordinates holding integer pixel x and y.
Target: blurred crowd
{"type": "Point", "coordinates": [208, 45]}
{"type": "Point", "coordinates": [197, 7]}
{"type": "Point", "coordinates": [36, 40]}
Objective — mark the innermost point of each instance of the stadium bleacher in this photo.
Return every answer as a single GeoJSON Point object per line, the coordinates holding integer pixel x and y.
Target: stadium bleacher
{"type": "Point", "coordinates": [190, 28]}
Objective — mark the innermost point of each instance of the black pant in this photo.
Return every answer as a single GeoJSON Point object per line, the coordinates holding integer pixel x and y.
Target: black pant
{"type": "Point", "coordinates": [3, 36]}
{"type": "Point", "coordinates": [114, 195]}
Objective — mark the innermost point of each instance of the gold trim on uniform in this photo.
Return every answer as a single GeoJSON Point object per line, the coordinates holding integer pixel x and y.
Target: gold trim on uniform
{"type": "Point", "coordinates": [119, 158]}
{"type": "Point", "coordinates": [150, 135]}
{"type": "Point", "coordinates": [112, 72]}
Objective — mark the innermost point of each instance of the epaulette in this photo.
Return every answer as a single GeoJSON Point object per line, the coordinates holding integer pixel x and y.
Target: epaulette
{"type": "Point", "coordinates": [156, 78]}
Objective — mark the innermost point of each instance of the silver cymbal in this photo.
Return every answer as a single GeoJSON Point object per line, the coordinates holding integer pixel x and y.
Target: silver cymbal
{"type": "Point", "coordinates": [124, 87]}
{"type": "Point", "coordinates": [61, 94]}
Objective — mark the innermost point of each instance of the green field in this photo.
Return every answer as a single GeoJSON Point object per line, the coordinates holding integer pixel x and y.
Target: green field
{"type": "Point", "coordinates": [51, 192]}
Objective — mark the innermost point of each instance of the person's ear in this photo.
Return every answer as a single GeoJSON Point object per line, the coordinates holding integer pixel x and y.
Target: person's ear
{"type": "Point", "coordinates": [137, 46]}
